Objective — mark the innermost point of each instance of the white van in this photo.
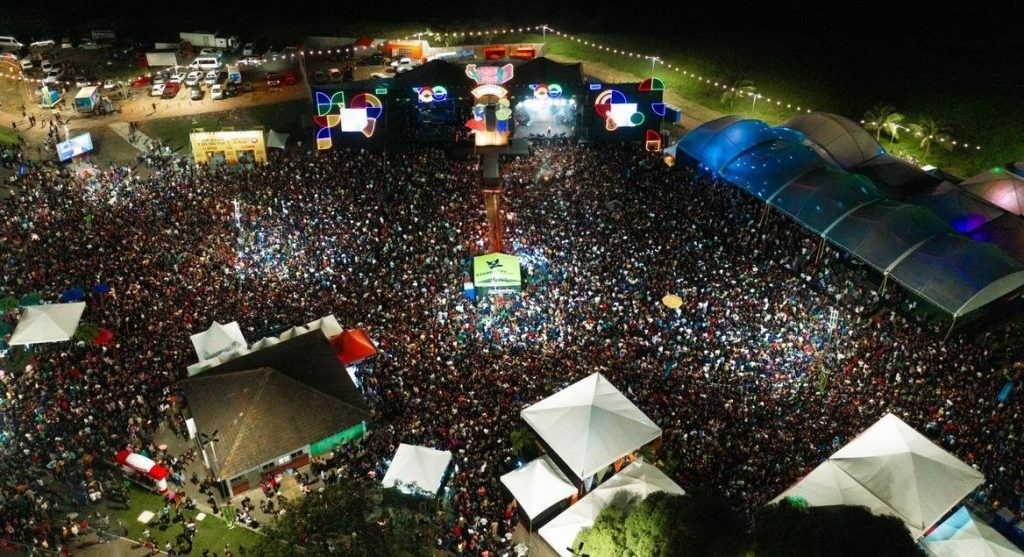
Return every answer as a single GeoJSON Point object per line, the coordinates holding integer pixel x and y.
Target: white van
{"type": "Point", "coordinates": [206, 63]}
{"type": "Point", "coordinates": [10, 44]}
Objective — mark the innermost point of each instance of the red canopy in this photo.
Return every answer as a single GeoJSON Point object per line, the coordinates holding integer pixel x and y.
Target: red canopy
{"type": "Point", "coordinates": [353, 346]}
{"type": "Point", "coordinates": [104, 337]}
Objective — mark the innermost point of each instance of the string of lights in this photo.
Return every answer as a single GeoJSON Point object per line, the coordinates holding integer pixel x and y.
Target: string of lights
{"type": "Point", "coordinates": [544, 29]}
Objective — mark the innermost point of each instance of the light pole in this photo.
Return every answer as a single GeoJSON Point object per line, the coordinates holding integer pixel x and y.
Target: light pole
{"type": "Point", "coordinates": [544, 32]}
{"type": "Point", "coordinates": [653, 59]}
{"type": "Point", "coordinates": [754, 104]}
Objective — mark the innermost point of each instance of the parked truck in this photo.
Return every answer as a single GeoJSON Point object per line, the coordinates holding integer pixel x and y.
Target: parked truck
{"type": "Point", "coordinates": [87, 99]}
{"type": "Point", "coordinates": [163, 59]}
{"type": "Point", "coordinates": [234, 74]}
{"type": "Point", "coordinates": [210, 40]}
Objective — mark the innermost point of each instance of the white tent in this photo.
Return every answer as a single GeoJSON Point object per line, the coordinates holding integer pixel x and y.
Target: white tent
{"type": "Point", "coordinates": [962, 535]}
{"type": "Point", "coordinates": [828, 485]}
{"type": "Point", "coordinates": [538, 485]}
{"type": "Point", "coordinates": [276, 140]}
{"type": "Point", "coordinates": [47, 323]}
{"type": "Point", "coordinates": [264, 342]}
{"type": "Point", "coordinates": [293, 332]}
{"type": "Point", "coordinates": [895, 465]}
{"type": "Point", "coordinates": [630, 486]}
{"type": "Point", "coordinates": [420, 467]}
{"type": "Point", "coordinates": [328, 325]}
{"type": "Point", "coordinates": [590, 424]}
{"type": "Point", "coordinates": [217, 340]}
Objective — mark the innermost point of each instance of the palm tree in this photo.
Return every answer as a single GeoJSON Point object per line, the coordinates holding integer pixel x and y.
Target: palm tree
{"type": "Point", "coordinates": [931, 131]}
{"type": "Point", "coordinates": [883, 118]}
{"type": "Point", "coordinates": [738, 87]}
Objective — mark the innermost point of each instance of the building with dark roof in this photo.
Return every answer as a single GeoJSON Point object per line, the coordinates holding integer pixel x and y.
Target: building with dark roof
{"type": "Point", "coordinates": [274, 408]}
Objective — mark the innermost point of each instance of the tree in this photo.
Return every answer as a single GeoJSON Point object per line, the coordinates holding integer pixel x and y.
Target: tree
{"type": "Point", "coordinates": [883, 118]}
{"type": "Point", "coordinates": [666, 525]}
{"type": "Point", "coordinates": [524, 443]}
{"type": "Point", "coordinates": [931, 131]}
{"type": "Point", "coordinates": [86, 331]}
{"type": "Point", "coordinates": [355, 517]}
{"type": "Point", "coordinates": [737, 87]}
{"type": "Point", "coordinates": [787, 529]}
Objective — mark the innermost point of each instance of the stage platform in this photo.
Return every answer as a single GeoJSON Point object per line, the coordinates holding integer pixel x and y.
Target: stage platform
{"type": "Point", "coordinates": [545, 130]}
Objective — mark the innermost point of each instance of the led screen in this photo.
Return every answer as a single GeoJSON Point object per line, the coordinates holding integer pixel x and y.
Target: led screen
{"type": "Point", "coordinates": [78, 145]}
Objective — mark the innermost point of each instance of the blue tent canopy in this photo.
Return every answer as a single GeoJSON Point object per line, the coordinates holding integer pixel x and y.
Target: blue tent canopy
{"type": "Point", "coordinates": [718, 142]}
{"type": "Point", "coordinates": [883, 233]}
{"type": "Point", "coordinates": [824, 196]}
{"type": "Point", "coordinates": [765, 169]}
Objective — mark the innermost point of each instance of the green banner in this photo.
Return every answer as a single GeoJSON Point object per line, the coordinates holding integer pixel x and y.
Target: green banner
{"type": "Point", "coordinates": [327, 445]}
{"type": "Point", "coordinates": [497, 272]}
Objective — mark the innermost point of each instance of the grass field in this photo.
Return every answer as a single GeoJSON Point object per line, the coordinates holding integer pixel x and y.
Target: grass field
{"type": "Point", "coordinates": [8, 136]}
{"type": "Point", "coordinates": [212, 532]}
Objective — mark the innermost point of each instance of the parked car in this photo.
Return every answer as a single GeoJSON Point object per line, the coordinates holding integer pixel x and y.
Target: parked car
{"type": "Point", "coordinates": [193, 78]}
{"type": "Point", "coordinates": [212, 76]}
{"type": "Point", "coordinates": [248, 49]}
{"type": "Point", "coordinates": [157, 90]}
{"type": "Point", "coordinates": [66, 43]}
{"type": "Point", "coordinates": [82, 82]}
{"type": "Point", "coordinates": [251, 61]}
{"type": "Point", "coordinates": [334, 74]}
{"type": "Point", "coordinates": [375, 59]}
{"type": "Point", "coordinates": [273, 80]}
{"type": "Point", "coordinates": [211, 52]}
{"type": "Point", "coordinates": [404, 61]}
{"type": "Point", "coordinates": [178, 77]}
{"type": "Point", "coordinates": [46, 65]}
{"type": "Point", "coordinates": [289, 78]}
{"type": "Point", "coordinates": [45, 43]}
{"type": "Point", "coordinates": [88, 44]}
{"type": "Point", "coordinates": [247, 86]}
{"type": "Point", "coordinates": [196, 93]}
{"type": "Point", "coordinates": [53, 76]}
{"type": "Point", "coordinates": [217, 92]}
{"type": "Point", "coordinates": [171, 90]}
{"type": "Point", "coordinates": [159, 77]}
{"type": "Point", "coordinates": [109, 85]}
{"type": "Point", "coordinates": [231, 90]}
{"type": "Point", "coordinates": [26, 63]}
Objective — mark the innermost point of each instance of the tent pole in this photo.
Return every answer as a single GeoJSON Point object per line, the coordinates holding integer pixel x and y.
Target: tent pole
{"type": "Point", "coordinates": [764, 216]}
{"type": "Point", "coordinates": [951, 325]}
{"type": "Point", "coordinates": [885, 281]}
{"type": "Point", "coordinates": [821, 250]}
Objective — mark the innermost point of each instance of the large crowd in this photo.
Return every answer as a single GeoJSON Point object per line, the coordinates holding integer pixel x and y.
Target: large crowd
{"type": "Point", "coordinates": [779, 354]}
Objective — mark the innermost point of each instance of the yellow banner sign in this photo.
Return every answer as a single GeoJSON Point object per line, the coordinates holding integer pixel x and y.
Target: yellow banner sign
{"type": "Point", "coordinates": [229, 147]}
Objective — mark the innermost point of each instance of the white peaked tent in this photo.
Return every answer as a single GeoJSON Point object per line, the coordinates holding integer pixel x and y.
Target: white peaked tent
{"type": "Point", "coordinates": [264, 342]}
{"type": "Point", "coordinates": [421, 467]}
{"type": "Point", "coordinates": [217, 340]}
{"type": "Point", "coordinates": [590, 424]}
{"type": "Point", "coordinates": [893, 463]}
{"type": "Point", "coordinates": [47, 323]}
{"type": "Point", "coordinates": [828, 485]}
{"type": "Point", "coordinates": [293, 332]}
{"type": "Point", "coordinates": [328, 325]}
{"type": "Point", "coordinates": [630, 486]}
{"type": "Point", "coordinates": [276, 140]}
{"type": "Point", "coordinates": [962, 535]}
{"type": "Point", "coordinates": [538, 485]}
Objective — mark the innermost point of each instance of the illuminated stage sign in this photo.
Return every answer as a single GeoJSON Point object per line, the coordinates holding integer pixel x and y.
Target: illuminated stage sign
{"type": "Point", "coordinates": [617, 112]}
{"type": "Point", "coordinates": [228, 147]}
{"type": "Point", "coordinates": [493, 110]}
{"type": "Point", "coordinates": [489, 75]}
{"type": "Point", "coordinates": [426, 95]}
{"type": "Point", "coordinates": [359, 115]}
{"type": "Point", "coordinates": [546, 91]}
{"type": "Point", "coordinates": [497, 272]}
